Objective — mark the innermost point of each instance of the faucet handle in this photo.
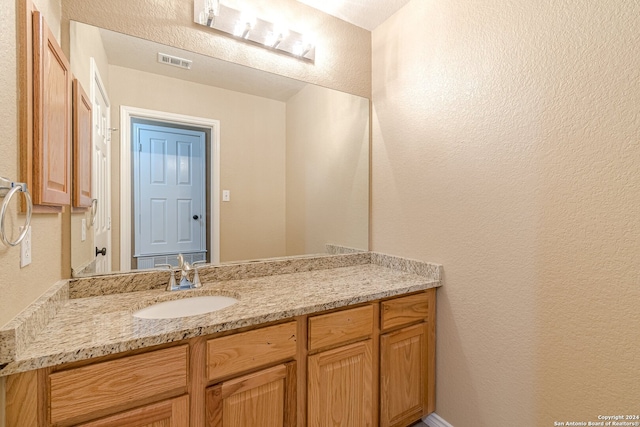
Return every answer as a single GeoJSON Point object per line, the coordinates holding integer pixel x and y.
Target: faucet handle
{"type": "Point", "coordinates": [196, 277]}
{"type": "Point", "coordinates": [172, 280]}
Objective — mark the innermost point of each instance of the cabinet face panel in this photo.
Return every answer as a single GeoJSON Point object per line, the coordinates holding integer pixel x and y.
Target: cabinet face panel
{"type": "Point", "coordinates": [22, 407]}
{"type": "Point", "coordinates": [340, 386]}
{"type": "Point", "coordinates": [51, 118]}
{"type": "Point", "coordinates": [248, 350]}
{"type": "Point", "coordinates": [266, 404]}
{"type": "Point", "coordinates": [340, 327]}
{"type": "Point", "coordinates": [264, 398]}
{"type": "Point", "coordinates": [104, 388]}
{"type": "Point", "coordinates": [170, 413]}
{"type": "Point", "coordinates": [405, 310]}
{"type": "Point", "coordinates": [403, 375]}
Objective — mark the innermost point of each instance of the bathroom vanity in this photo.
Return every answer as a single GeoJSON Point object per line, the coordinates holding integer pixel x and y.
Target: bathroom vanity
{"type": "Point", "coordinates": [332, 340]}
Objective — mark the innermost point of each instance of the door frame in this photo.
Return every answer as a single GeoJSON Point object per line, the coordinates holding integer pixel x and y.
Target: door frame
{"type": "Point", "coordinates": [95, 86]}
{"type": "Point", "coordinates": [126, 114]}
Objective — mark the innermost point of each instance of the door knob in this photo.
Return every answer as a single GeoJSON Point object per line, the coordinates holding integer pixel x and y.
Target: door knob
{"type": "Point", "coordinates": [196, 217]}
{"type": "Point", "coordinates": [102, 251]}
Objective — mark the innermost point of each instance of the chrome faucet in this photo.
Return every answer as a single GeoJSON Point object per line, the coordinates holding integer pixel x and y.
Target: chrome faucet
{"type": "Point", "coordinates": [184, 267]}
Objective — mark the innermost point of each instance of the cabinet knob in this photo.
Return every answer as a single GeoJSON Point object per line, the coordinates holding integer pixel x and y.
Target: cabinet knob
{"type": "Point", "coordinates": [196, 217]}
{"type": "Point", "coordinates": [102, 251]}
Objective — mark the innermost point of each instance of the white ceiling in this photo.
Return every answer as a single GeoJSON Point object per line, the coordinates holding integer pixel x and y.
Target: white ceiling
{"type": "Point", "coordinates": [367, 14]}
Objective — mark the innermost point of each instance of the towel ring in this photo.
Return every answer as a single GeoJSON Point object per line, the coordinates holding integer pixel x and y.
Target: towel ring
{"type": "Point", "coordinates": [94, 210]}
{"type": "Point", "coordinates": [15, 187]}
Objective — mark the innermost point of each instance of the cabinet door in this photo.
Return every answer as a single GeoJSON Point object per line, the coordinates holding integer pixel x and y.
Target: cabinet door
{"type": "Point", "coordinates": [403, 376]}
{"type": "Point", "coordinates": [266, 398]}
{"type": "Point", "coordinates": [340, 386]}
{"type": "Point", "coordinates": [82, 148]}
{"type": "Point", "coordinates": [51, 119]}
{"type": "Point", "coordinates": [170, 413]}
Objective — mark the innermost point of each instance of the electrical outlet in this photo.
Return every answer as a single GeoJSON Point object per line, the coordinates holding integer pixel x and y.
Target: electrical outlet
{"type": "Point", "coordinates": [25, 248]}
{"type": "Point", "coordinates": [226, 195]}
{"type": "Point", "coordinates": [83, 233]}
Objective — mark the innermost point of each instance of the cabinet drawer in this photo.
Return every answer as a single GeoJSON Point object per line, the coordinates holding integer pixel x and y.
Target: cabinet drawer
{"type": "Point", "coordinates": [404, 310]}
{"type": "Point", "coordinates": [107, 387]}
{"type": "Point", "coordinates": [174, 413]}
{"type": "Point", "coordinates": [249, 350]}
{"type": "Point", "coordinates": [340, 327]}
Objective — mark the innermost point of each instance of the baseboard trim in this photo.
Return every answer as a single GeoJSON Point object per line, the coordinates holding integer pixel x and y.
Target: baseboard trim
{"type": "Point", "coordinates": [434, 420]}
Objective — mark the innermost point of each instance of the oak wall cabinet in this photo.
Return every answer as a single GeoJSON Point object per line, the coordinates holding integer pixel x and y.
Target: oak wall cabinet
{"type": "Point", "coordinates": [51, 118]}
{"type": "Point", "coordinates": [82, 147]}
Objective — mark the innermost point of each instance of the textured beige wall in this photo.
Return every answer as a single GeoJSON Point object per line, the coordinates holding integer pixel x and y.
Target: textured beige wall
{"type": "Point", "coordinates": [19, 287]}
{"type": "Point", "coordinates": [343, 53]}
{"type": "Point", "coordinates": [52, 12]}
{"type": "Point", "coordinates": [327, 170]}
{"type": "Point", "coordinates": [252, 153]}
{"type": "Point", "coordinates": [505, 147]}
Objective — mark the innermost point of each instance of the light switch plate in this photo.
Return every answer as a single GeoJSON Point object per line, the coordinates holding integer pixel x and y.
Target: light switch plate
{"type": "Point", "coordinates": [25, 248]}
{"type": "Point", "coordinates": [83, 233]}
{"type": "Point", "coordinates": [226, 195]}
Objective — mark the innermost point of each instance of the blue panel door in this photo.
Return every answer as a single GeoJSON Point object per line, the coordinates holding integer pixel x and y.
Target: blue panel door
{"type": "Point", "coordinates": [169, 190]}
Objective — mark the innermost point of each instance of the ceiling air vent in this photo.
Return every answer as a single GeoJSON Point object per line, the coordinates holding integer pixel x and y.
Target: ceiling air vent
{"type": "Point", "coordinates": [174, 60]}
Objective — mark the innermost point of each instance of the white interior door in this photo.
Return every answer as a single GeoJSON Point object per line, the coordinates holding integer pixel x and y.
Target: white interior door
{"type": "Point", "coordinates": [169, 190]}
{"type": "Point", "coordinates": [101, 179]}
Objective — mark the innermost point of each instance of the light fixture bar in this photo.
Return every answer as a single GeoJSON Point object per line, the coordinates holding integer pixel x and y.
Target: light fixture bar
{"type": "Point", "coordinates": [244, 27]}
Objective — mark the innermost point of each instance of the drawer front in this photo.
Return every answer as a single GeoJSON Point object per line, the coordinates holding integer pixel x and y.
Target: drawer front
{"type": "Point", "coordinates": [340, 327]}
{"type": "Point", "coordinates": [405, 310]}
{"type": "Point", "coordinates": [248, 350]}
{"type": "Point", "coordinates": [107, 387]}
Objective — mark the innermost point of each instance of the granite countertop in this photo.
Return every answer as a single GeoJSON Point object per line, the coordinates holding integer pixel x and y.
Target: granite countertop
{"type": "Point", "coordinates": [92, 317]}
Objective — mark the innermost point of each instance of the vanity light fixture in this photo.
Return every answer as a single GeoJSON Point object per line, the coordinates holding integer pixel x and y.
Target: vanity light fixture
{"type": "Point", "coordinates": [246, 27]}
{"type": "Point", "coordinates": [275, 37]}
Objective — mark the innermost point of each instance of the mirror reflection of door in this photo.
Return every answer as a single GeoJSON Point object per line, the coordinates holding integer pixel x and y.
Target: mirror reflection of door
{"type": "Point", "coordinates": [169, 172]}
{"type": "Point", "coordinates": [101, 171]}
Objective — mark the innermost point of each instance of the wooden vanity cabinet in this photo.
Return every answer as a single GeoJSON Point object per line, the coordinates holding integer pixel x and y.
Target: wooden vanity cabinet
{"type": "Point", "coordinates": [407, 359]}
{"type": "Point", "coordinates": [340, 387]}
{"type": "Point", "coordinates": [266, 396]}
{"type": "Point", "coordinates": [369, 365]}
{"type": "Point", "coordinates": [246, 351]}
{"type": "Point", "coordinates": [89, 392]}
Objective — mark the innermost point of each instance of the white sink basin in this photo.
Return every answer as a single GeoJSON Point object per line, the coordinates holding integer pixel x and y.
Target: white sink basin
{"type": "Point", "coordinates": [185, 307]}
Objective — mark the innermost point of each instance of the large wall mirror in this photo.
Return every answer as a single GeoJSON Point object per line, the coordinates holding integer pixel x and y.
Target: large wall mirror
{"type": "Point", "coordinates": [212, 159]}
